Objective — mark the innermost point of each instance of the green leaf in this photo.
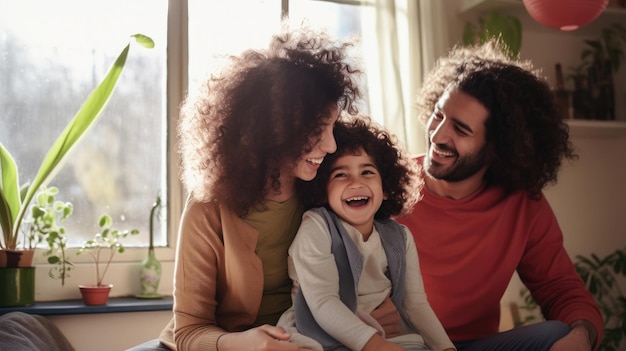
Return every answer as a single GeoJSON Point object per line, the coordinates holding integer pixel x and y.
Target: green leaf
{"type": "Point", "coordinates": [469, 34]}
{"type": "Point", "coordinates": [37, 212]}
{"type": "Point", "coordinates": [143, 40]}
{"type": "Point", "coordinates": [105, 221]}
{"type": "Point", "coordinates": [68, 209]}
{"type": "Point", "coordinates": [10, 202]}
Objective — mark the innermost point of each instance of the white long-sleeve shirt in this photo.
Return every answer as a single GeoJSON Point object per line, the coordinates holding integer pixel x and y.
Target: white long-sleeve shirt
{"type": "Point", "coordinates": [314, 269]}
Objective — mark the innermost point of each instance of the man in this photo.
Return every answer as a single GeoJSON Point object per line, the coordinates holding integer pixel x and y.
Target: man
{"type": "Point", "coordinates": [495, 140]}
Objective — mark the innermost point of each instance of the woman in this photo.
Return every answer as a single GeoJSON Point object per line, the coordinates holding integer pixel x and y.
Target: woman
{"type": "Point", "coordinates": [253, 131]}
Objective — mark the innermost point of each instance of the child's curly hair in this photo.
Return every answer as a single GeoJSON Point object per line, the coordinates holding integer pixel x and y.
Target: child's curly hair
{"type": "Point", "coordinates": [399, 172]}
{"type": "Point", "coordinates": [526, 137]}
{"type": "Point", "coordinates": [262, 112]}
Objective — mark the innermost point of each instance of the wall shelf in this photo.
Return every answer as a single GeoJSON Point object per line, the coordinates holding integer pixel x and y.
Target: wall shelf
{"type": "Point", "coordinates": [117, 304]}
{"type": "Point", "coordinates": [516, 7]}
{"type": "Point", "coordinates": [544, 37]}
{"type": "Point", "coordinates": [597, 129]}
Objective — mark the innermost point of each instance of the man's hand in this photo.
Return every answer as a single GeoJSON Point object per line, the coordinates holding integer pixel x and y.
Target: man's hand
{"type": "Point", "coordinates": [263, 338]}
{"type": "Point", "coordinates": [578, 339]}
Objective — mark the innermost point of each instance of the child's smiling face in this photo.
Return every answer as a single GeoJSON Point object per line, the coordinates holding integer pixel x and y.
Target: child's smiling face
{"type": "Point", "coordinates": [355, 190]}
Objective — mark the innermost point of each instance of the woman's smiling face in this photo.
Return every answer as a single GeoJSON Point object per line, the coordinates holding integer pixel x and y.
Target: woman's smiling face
{"type": "Point", "coordinates": [307, 166]}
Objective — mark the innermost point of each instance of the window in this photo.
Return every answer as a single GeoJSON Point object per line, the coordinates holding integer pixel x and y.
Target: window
{"type": "Point", "coordinates": [51, 58]}
{"type": "Point", "coordinates": [52, 54]}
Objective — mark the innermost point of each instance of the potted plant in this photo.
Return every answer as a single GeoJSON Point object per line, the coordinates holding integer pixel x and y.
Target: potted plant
{"type": "Point", "coordinates": [17, 276]}
{"type": "Point", "coordinates": [582, 101]}
{"type": "Point", "coordinates": [508, 30]}
{"type": "Point", "coordinates": [608, 47]}
{"type": "Point", "coordinates": [102, 248]}
{"type": "Point", "coordinates": [602, 57]}
{"type": "Point", "coordinates": [44, 225]}
{"type": "Point", "coordinates": [602, 276]}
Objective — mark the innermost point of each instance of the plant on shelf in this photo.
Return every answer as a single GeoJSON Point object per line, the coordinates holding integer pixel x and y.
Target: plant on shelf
{"type": "Point", "coordinates": [507, 28]}
{"type": "Point", "coordinates": [104, 245]}
{"type": "Point", "coordinates": [603, 277]}
{"type": "Point", "coordinates": [593, 77]}
{"type": "Point", "coordinates": [107, 241]}
{"type": "Point", "coordinates": [44, 225]}
{"type": "Point", "coordinates": [608, 48]}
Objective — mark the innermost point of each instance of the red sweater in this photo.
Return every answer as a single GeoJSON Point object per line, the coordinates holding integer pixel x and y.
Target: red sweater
{"type": "Point", "coordinates": [470, 248]}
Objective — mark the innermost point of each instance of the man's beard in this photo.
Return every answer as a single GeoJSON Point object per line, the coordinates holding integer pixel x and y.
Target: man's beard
{"type": "Point", "coordinates": [463, 168]}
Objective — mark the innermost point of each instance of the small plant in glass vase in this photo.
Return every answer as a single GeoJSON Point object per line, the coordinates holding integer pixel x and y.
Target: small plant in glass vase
{"type": "Point", "coordinates": [102, 248]}
{"type": "Point", "coordinates": [150, 272]}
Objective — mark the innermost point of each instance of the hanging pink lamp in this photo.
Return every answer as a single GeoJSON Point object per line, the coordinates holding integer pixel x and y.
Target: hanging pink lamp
{"type": "Point", "coordinates": [566, 15]}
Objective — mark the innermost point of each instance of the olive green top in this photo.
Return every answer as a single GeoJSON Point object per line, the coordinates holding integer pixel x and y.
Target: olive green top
{"type": "Point", "coordinates": [277, 226]}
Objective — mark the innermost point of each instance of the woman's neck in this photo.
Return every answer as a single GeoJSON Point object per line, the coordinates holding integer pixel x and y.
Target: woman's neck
{"type": "Point", "coordinates": [286, 191]}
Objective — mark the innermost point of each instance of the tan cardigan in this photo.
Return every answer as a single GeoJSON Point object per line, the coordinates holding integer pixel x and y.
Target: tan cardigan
{"type": "Point", "coordinates": [218, 279]}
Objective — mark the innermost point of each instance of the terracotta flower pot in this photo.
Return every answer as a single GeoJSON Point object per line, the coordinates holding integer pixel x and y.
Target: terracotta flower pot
{"type": "Point", "coordinates": [94, 295]}
{"type": "Point", "coordinates": [16, 258]}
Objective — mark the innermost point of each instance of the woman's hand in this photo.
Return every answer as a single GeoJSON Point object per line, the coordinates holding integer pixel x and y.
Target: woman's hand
{"type": "Point", "coordinates": [263, 338]}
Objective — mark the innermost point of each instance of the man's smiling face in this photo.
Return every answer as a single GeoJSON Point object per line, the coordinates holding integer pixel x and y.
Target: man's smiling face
{"type": "Point", "coordinates": [457, 147]}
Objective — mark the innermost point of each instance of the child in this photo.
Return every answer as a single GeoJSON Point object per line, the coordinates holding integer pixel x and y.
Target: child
{"type": "Point", "coordinates": [357, 282]}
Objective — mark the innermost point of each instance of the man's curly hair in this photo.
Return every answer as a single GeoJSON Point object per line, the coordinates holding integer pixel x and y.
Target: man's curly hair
{"type": "Point", "coordinates": [261, 113]}
{"type": "Point", "coordinates": [399, 172]}
{"type": "Point", "coordinates": [526, 137]}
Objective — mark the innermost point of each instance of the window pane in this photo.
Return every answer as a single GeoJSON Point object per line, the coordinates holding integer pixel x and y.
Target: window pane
{"type": "Point", "coordinates": [232, 27]}
{"type": "Point", "coordinates": [343, 20]}
{"type": "Point", "coordinates": [52, 55]}
{"type": "Point", "coordinates": [243, 24]}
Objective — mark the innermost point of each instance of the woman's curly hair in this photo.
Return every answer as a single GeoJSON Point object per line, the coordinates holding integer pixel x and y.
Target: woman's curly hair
{"type": "Point", "coordinates": [526, 137]}
{"type": "Point", "coordinates": [262, 112]}
{"type": "Point", "coordinates": [399, 171]}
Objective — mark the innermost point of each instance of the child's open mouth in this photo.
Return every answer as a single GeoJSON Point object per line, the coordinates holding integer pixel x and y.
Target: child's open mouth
{"type": "Point", "coordinates": [357, 201]}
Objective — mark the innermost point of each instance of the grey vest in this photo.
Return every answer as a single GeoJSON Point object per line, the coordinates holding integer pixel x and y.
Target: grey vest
{"type": "Point", "coordinates": [350, 265]}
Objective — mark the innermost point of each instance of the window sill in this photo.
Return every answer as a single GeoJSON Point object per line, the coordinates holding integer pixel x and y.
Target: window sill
{"type": "Point", "coordinates": [116, 304]}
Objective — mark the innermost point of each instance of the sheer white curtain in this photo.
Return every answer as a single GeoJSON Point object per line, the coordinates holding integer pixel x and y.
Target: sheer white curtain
{"type": "Point", "coordinates": [410, 36]}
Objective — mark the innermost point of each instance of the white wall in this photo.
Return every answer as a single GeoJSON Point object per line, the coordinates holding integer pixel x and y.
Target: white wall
{"type": "Point", "coordinates": [111, 331]}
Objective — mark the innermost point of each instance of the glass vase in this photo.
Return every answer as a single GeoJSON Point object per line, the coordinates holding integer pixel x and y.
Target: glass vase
{"type": "Point", "coordinates": [150, 276]}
